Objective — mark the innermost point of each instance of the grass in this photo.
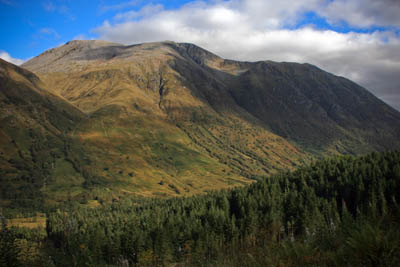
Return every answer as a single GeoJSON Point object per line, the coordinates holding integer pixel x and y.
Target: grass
{"type": "Point", "coordinates": [31, 222]}
{"type": "Point", "coordinates": [129, 141]}
{"type": "Point", "coordinates": [139, 153]}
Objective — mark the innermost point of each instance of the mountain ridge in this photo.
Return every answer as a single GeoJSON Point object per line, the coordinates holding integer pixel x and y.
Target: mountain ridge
{"type": "Point", "coordinates": [169, 119]}
{"type": "Point", "coordinates": [293, 91]}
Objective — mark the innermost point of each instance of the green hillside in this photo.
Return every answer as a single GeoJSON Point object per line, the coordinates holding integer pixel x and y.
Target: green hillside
{"type": "Point", "coordinates": [100, 121]}
{"type": "Point", "coordinates": [34, 128]}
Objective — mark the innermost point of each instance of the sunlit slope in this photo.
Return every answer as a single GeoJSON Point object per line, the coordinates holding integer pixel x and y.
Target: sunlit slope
{"type": "Point", "coordinates": [141, 154]}
{"type": "Point", "coordinates": [52, 152]}
{"type": "Point", "coordinates": [97, 128]}
{"type": "Point", "coordinates": [174, 119]}
{"type": "Point", "coordinates": [146, 81]}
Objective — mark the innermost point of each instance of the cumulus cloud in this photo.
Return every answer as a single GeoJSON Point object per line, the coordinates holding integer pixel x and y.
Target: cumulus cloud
{"type": "Point", "coordinates": [6, 56]}
{"type": "Point", "coordinates": [266, 30]}
{"type": "Point", "coordinates": [364, 13]}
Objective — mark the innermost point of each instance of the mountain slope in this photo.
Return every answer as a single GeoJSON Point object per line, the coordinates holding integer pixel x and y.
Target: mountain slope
{"type": "Point", "coordinates": [316, 110]}
{"type": "Point", "coordinates": [52, 152]}
{"type": "Point", "coordinates": [172, 119]}
{"type": "Point", "coordinates": [149, 132]}
{"type": "Point", "coordinates": [34, 126]}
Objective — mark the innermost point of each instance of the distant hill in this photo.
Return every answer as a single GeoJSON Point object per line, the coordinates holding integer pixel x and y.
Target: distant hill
{"type": "Point", "coordinates": [161, 119]}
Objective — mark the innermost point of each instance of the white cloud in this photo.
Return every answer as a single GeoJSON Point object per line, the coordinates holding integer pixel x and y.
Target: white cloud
{"type": "Point", "coordinates": [257, 30]}
{"type": "Point", "coordinates": [364, 13]}
{"type": "Point", "coordinates": [6, 56]}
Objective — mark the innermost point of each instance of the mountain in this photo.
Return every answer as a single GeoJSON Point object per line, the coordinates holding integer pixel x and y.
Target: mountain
{"type": "Point", "coordinates": [57, 150]}
{"type": "Point", "coordinates": [161, 119]}
{"type": "Point", "coordinates": [313, 109]}
{"type": "Point", "coordinates": [33, 128]}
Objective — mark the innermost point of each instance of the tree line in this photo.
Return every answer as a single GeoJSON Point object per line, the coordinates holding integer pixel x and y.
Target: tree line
{"type": "Point", "coordinates": [341, 211]}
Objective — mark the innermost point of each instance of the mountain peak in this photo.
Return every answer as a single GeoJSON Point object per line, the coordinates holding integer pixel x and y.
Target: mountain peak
{"type": "Point", "coordinates": [60, 58]}
{"type": "Point", "coordinates": [76, 54]}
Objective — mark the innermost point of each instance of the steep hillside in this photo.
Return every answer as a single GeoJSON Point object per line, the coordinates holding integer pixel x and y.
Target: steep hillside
{"type": "Point", "coordinates": [100, 145]}
{"type": "Point", "coordinates": [52, 152]}
{"type": "Point", "coordinates": [138, 90]}
{"type": "Point", "coordinates": [320, 112]}
{"type": "Point", "coordinates": [34, 127]}
{"type": "Point", "coordinates": [317, 110]}
{"type": "Point", "coordinates": [174, 119]}
{"type": "Point", "coordinates": [313, 109]}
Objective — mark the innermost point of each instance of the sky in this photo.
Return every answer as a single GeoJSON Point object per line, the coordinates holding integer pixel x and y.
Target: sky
{"type": "Point", "coordinates": [357, 39]}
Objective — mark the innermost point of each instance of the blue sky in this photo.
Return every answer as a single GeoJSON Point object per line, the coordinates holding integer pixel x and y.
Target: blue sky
{"type": "Point", "coordinates": [357, 39]}
{"type": "Point", "coordinates": [30, 27]}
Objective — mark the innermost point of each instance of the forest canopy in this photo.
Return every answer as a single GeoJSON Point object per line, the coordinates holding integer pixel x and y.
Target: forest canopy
{"type": "Point", "coordinates": [341, 211]}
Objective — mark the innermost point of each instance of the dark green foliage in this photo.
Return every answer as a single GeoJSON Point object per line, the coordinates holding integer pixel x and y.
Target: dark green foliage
{"type": "Point", "coordinates": [337, 212]}
{"type": "Point", "coordinates": [9, 251]}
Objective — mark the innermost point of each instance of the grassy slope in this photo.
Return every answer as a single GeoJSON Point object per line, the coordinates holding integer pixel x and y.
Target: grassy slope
{"type": "Point", "coordinates": [33, 129]}
{"type": "Point", "coordinates": [139, 139]}
{"type": "Point", "coordinates": [143, 155]}
{"type": "Point", "coordinates": [128, 142]}
{"type": "Point", "coordinates": [317, 110]}
{"type": "Point", "coordinates": [168, 119]}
